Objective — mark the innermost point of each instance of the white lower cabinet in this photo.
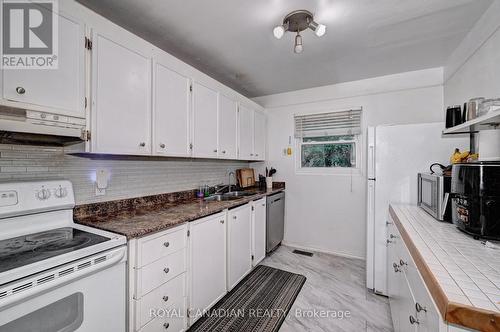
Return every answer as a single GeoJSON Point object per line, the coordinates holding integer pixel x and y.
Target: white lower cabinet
{"type": "Point", "coordinates": [157, 281]}
{"type": "Point", "coordinates": [258, 231]}
{"type": "Point", "coordinates": [412, 307]}
{"type": "Point", "coordinates": [239, 249]}
{"type": "Point", "coordinates": [207, 263]}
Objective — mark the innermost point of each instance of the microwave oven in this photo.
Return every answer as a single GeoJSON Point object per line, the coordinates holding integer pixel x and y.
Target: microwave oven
{"type": "Point", "coordinates": [434, 195]}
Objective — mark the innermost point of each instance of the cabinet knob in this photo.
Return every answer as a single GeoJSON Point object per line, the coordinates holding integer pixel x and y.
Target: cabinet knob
{"type": "Point", "coordinates": [166, 270]}
{"type": "Point", "coordinates": [162, 146]}
{"type": "Point", "coordinates": [419, 308]}
{"type": "Point", "coordinates": [20, 90]}
{"type": "Point", "coordinates": [234, 217]}
{"type": "Point", "coordinates": [222, 221]}
{"type": "Point", "coordinates": [224, 151]}
{"type": "Point", "coordinates": [166, 325]}
{"type": "Point", "coordinates": [215, 150]}
{"type": "Point", "coordinates": [263, 204]}
{"type": "Point", "coordinates": [165, 298]}
{"type": "Point", "coordinates": [166, 244]}
{"type": "Point", "coordinates": [256, 154]}
{"type": "Point", "coordinates": [142, 144]}
{"type": "Point", "coordinates": [392, 236]}
{"type": "Point", "coordinates": [389, 241]}
{"type": "Point", "coordinates": [413, 320]}
{"type": "Point", "coordinates": [251, 154]}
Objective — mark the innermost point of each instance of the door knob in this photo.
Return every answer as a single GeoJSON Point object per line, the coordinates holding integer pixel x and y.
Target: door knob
{"type": "Point", "coordinates": [20, 90]}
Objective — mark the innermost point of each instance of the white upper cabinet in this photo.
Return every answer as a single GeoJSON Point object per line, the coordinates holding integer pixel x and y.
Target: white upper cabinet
{"type": "Point", "coordinates": [228, 124]}
{"type": "Point", "coordinates": [205, 110]}
{"type": "Point", "coordinates": [260, 136]}
{"type": "Point", "coordinates": [61, 89]}
{"type": "Point", "coordinates": [246, 133]}
{"type": "Point", "coordinates": [121, 90]}
{"type": "Point", "coordinates": [171, 108]}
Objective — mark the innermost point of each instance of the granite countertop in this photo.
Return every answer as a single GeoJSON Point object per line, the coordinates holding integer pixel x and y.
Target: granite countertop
{"type": "Point", "coordinates": [463, 273]}
{"type": "Point", "coordinates": [136, 219]}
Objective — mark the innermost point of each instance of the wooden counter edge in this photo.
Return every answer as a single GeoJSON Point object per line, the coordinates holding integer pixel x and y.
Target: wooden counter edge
{"type": "Point", "coordinates": [451, 312]}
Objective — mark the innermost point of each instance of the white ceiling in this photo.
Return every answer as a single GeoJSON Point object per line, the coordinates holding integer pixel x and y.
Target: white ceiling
{"type": "Point", "coordinates": [232, 40]}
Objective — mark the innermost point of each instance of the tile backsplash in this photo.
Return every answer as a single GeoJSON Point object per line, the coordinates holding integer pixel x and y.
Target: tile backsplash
{"type": "Point", "coordinates": [128, 176]}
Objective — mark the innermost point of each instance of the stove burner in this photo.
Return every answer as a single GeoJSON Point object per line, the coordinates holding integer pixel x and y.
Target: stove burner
{"type": "Point", "coordinates": [32, 248]}
{"type": "Point", "coordinates": [62, 244]}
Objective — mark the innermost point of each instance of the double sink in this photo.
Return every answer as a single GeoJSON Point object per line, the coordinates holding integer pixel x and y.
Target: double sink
{"type": "Point", "coordinates": [228, 196]}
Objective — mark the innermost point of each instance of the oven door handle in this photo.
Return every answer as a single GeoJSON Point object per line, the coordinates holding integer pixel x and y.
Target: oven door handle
{"type": "Point", "coordinates": [112, 257]}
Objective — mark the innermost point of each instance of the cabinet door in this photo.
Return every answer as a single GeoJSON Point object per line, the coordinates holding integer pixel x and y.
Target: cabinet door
{"type": "Point", "coordinates": [121, 85]}
{"type": "Point", "coordinates": [171, 113]}
{"type": "Point", "coordinates": [246, 133]}
{"type": "Point", "coordinates": [260, 136]}
{"type": "Point", "coordinates": [239, 250]}
{"type": "Point", "coordinates": [259, 231]}
{"type": "Point", "coordinates": [207, 252]}
{"type": "Point", "coordinates": [205, 105]}
{"type": "Point", "coordinates": [61, 89]}
{"type": "Point", "coordinates": [228, 124]}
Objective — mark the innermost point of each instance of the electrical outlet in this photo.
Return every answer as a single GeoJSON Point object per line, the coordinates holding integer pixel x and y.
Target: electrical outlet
{"type": "Point", "coordinates": [101, 182]}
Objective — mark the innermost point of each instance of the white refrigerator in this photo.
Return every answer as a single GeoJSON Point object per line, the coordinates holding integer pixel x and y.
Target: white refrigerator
{"type": "Point", "coordinates": [396, 154]}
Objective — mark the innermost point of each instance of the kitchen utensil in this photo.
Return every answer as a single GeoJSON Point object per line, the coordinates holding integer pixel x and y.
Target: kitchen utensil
{"type": "Point", "coordinates": [453, 116]}
{"type": "Point", "coordinates": [272, 172]}
{"type": "Point", "coordinates": [472, 107]}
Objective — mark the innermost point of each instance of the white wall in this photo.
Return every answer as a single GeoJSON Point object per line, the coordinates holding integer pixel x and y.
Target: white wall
{"type": "Point", "coordinates": [473, 70]}
{"type": "Point", "coordinates": [327, 212]}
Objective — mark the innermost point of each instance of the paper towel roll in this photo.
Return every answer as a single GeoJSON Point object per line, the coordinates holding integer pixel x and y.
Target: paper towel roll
{"type": "Point", "coordinates": [489, 145]}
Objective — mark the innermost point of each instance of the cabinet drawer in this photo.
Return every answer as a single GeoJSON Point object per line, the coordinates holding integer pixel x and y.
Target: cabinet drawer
{"type": "Point", "coordinates": [169, 296]}
{"type": "Point", "coordinates": [157, 273]}
{"type": "Point", "coordinates": [172, 321]}
{"type": "Point", "coordinates": [155, 247]}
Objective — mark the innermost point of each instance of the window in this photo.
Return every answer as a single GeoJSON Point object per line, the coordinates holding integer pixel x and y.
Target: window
{"type": "Point", "coordinates": [328, 140]}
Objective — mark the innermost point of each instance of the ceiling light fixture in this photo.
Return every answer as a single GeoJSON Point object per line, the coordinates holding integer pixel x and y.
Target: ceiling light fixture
{"type": "Point", "coordinates": [298, 21]}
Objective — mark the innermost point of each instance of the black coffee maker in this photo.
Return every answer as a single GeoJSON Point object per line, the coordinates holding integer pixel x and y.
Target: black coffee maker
{"type": "Point", "coordinates": [475, 191]}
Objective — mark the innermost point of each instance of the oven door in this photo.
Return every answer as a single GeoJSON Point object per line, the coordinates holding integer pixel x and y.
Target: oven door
{"type": "Point", "coordinates": [428, 196]}
{"type": "Point", "coordinates": [93, 301]}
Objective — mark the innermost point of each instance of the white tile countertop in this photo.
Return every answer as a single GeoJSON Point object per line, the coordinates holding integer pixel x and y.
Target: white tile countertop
{"type": "Point", "coordinates": [467, 270]}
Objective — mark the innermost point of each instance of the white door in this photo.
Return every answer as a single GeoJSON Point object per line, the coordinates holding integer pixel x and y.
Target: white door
{"type": "Point", "coordinates": [246, 133]}
{"type": "Point", "coordinates": [61, 89]}
{"type": "Point", "coordinates": [170, 112]}
{"type": "Point", "coordinates": [228, 124]}
{"type": "Point", "coordinates": [239, 249]}
{"type": "Point", "coordinates": [205, 105]}
{"type": "Point", "coordinates": [258, 231]}
{"type": "Point", "coordinates": [121, 85]}
{"type": "Point", "coordinates": [259, 136]}
{"type": "Point", "coordinates": [207, 256]}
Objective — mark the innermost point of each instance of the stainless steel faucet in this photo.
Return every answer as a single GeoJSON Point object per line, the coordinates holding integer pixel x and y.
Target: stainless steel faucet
{"type": "Point", "coordinates": [229, 182]}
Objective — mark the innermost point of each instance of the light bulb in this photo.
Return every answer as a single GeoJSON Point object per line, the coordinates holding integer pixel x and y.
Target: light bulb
{"type": "Point", "coordinates": [279, 31]}
{"type": "Point", "coordinates": [320, 30]}
{"type": "Point", "coordinates": [298, 48]}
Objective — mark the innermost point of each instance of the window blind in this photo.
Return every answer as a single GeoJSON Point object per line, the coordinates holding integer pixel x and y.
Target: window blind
{"type": "Point", "coordinates": [328, 124]}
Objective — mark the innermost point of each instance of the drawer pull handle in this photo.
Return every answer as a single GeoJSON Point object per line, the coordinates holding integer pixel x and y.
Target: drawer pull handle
{"type": "Point", "coordinates": [222, 221]}
{"type": "Point", "coordinates": [166, 270]}
{"type": "Point", "coordinates": [165, 298]}
{"type": "Point", "coordinates": [413, 320]}
{"type": "Point", "coordinates": [401, 263]}
{"type": "Point", "coordinates": [166, 325]}
{"type": "Point", "coordinates": [20, 90]}
{"type": "Point", "coordinates": [420, 308]}
{"type": "Point", "coordinates": [166, 244]}
{"type": "Point", "coordinates": [234, 217]}
{"type": "Point", "coordinates": [396, 267]}
{"type": "Point", "coordinates": [389, 241]}
{"type": "Point", "coordinates": [392, 236]}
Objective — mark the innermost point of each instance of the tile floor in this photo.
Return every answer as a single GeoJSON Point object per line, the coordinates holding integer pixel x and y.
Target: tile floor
{"type": "Point", "coordinates": [334, 286]}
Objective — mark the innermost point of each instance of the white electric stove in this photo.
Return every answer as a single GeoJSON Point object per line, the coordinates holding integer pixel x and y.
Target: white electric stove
{"type": "Point", "coordinates": [56, 275]}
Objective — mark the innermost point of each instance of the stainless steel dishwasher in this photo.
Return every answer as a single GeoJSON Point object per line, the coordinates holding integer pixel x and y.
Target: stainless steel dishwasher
{"type": "Point", "coordinates": [275, 224]}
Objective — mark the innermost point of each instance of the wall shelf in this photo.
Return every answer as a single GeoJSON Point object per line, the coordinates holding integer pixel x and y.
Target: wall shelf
{"type": "Point", "coordinates": [484, 122]}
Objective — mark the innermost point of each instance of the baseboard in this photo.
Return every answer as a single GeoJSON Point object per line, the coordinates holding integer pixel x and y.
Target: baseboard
{"type": "Point", "coordinates": [335, 253]}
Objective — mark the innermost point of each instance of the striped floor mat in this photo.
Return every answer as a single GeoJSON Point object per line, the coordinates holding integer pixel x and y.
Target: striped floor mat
{"type": "Point", "coordinates": [259, 303]}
